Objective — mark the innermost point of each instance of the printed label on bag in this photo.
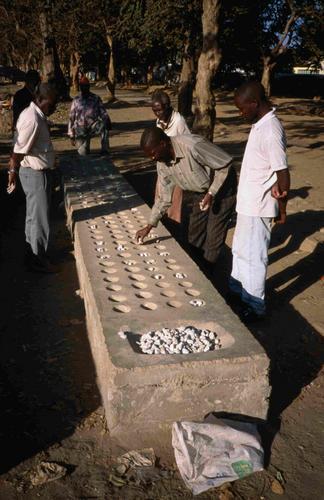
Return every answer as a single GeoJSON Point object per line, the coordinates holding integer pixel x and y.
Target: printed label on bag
{"type": "Point", "coordinates": [242, 468]}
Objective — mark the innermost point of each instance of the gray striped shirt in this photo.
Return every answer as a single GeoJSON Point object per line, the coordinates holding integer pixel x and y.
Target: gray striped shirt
{"type": "Point", "coordinates": [196, 158]}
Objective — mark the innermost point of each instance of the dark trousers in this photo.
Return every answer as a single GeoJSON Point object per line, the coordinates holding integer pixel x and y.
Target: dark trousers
{"type": "Point", "coordinates": [208, 229]}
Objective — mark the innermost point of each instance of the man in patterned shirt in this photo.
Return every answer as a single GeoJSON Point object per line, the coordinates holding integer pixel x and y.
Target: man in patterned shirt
{"type": "Point", "coordinates": [88, 118]}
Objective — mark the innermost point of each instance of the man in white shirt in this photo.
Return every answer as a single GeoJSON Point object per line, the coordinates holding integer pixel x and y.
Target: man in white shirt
{"type": "Point", "coordinates": [169, 120]}
{"type": "Point", "coordinates": [172, 123]}
{"type": "Point", "coordinates": [34, 159]}
{"type": "Point", "coordinates": [262, 193]}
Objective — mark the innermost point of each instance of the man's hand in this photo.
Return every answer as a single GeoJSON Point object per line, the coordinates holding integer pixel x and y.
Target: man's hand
{"type": "Point", "coordinates": [142, 233]}
{"type": "Point", "coordinates": [206, 202]}
{"type": "Point", "coordinates": [14, 163]}
{"type": "Point", "coordinates": [12, 181]}
{"type": "Point", "coordinates": [277, 193]}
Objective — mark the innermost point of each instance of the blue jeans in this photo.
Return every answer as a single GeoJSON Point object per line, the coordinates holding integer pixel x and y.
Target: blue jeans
{"type": "Point", "coordinates": [250, 260]}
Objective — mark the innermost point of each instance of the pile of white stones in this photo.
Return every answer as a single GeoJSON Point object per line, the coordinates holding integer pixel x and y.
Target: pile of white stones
{"type": "Point", "coordinates": [182, 340]}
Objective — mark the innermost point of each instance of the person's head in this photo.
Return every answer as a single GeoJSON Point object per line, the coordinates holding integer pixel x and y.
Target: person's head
{"type": "Point", "coordinates": [251, 100]}
{"type": "Point", "coordinates": [46, 98]}
{"type": "Point", "coordinates": [32, 79]}
{"type": "Point", "coordinates": [84, 86]}
{"type": "Point", "coordinates": [157, 145]}
{"type": "Point", "coordinates": [161, 105]}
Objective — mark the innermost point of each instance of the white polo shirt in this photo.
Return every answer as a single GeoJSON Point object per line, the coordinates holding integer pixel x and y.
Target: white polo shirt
{"type": "Point", "coordinates": [265, 153]}
{"type": "Point", "coordinates": [176, 125]}
{"type": "Point", "coordinates": [32, 139]}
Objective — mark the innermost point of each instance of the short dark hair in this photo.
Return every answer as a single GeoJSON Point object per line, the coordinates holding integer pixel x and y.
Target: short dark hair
{"type": "Point", "coordinates": [161, 97]}
{"type": "Point", "coordinates": [32, 76]}
{"type": "Point", "coordinates": [152, 136]}
{"type": "Point", "coordinates": [251, 90]}
{"type": "Point", "coordinates": [44, 90]}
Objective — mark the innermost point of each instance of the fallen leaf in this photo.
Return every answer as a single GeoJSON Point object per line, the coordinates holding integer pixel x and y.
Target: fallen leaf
{"type": "Point", "coordinates": [276, 487]}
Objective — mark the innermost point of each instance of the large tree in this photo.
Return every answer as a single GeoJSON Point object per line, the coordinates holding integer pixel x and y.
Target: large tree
{"type": "Point", "coordinates": [21, 43]}
{"type": "Point", "coordinates": [51, 69]}
{"type": "Point", "coordinates": [208, 63]}
{"type": "Point", "coordinates": [192, 40]}
{"type": "Point", "coordinates": [278, 30]}
{"type": "Point", "coordinates": [277, 22]}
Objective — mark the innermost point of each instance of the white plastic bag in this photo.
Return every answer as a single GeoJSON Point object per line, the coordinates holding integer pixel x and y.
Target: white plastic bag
{"type": "Point", "coordinates": [215, 451]}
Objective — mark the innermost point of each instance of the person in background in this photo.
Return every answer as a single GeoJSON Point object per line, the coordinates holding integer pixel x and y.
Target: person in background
{"type": "Point", "coordinates": [172, 123]}
{"type": "Point", "coordinates": [25, 96]}
{"type": "Point", "coordinates": [187, 161]}
{"type": "Point", "coordinates": [262, 196]}
{"type": "Point", "coordinates": [33, 159]}
{"type": "Point", "coordinates": [169, 120]}
{"type": "Point", "coordinates": [88, 118]}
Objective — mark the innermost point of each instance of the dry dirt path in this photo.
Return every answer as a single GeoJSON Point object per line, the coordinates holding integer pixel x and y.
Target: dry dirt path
{"type": "Point", "coordinates": [50, 405]}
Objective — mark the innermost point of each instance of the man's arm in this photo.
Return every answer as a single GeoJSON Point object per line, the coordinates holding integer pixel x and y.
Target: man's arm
{"type": "Point", "coordinates": [15, 111]}
{"type": "Point", "coordinates": [280, 191]}
{"type": "Point", "coordinates": [27, 133]}
{"type": "Point", "coordinates": [161, 204]}
{"type": "Point", "coordinates": [14, 165]}
{"type": "Point", "coordinates": [275, 144]}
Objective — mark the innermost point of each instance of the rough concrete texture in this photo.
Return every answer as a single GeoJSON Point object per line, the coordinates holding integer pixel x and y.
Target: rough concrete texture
{"type": "Point", "coordinates": [143, 394]}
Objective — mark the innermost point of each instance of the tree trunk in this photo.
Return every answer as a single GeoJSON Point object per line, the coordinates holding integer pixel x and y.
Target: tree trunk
{"type": "Point", "coordinates": [74, 70]}
{"type": "Point", "coordinates": [186, 82]}
{"type": "Point", "coordinates": [51, 66]}
{"type": "Point", "coordinates": [270, 60]}
{"type": "Point", "coordinates": [268, 65]}
{"type": "Point", "coordinates": [111, 68]}
{"type": "Point", "coordinates": [149, 75]}
{"type": "Point", "coordinates": [208, 63]}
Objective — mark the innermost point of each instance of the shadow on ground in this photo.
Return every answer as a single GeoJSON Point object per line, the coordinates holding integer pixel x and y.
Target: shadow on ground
{"type": "Point", "coordinates": [47, 375]}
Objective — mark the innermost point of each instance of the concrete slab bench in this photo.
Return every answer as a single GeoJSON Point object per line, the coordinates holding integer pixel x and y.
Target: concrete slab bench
{"type": "Point", "coordinates": [136, 288]}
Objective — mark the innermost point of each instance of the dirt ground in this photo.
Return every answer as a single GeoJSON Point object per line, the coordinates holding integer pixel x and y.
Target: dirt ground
{"type": "Point", "coordinates": [51, 408]}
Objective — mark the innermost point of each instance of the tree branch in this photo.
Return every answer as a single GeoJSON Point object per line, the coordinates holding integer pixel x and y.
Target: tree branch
{"type": "Point", "coordinates": [279, 49]}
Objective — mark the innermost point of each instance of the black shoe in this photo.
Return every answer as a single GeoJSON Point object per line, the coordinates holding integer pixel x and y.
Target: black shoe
{"type": "Point", "coordinates": [41, 265]}
{"type": "Point", "coordinates": [28, 257]}
{"type": "Point", "coordinates": [248, 316]}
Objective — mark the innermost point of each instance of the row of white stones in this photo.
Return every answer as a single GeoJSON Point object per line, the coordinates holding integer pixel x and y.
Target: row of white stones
{"type": "Point", "coordinates": [121, 232]}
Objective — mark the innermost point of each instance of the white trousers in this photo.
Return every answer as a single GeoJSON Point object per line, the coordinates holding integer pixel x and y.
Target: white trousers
{"type": "Point", "coordinates": [250, 260]}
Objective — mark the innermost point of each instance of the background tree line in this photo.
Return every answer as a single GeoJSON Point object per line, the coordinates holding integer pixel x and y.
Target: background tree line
{"type": "Point", "coordinates": [200, 37]}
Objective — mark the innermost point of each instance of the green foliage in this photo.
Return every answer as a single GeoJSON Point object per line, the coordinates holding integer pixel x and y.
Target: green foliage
{"type": "Point", "coordinates": [151, 32]}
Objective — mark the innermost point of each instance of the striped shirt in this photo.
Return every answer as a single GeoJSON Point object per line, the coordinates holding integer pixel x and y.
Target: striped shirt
{"type": "Point", "coordinates": [195, 160]}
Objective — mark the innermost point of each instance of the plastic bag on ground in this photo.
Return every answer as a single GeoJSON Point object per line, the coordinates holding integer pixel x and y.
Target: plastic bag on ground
{"type": "Point", "coordinates": [216, 451]}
